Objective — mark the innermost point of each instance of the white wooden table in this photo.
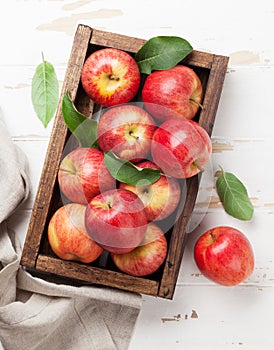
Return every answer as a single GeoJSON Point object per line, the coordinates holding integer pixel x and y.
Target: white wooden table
{"type": "Point", "coordinates": [202, 315]}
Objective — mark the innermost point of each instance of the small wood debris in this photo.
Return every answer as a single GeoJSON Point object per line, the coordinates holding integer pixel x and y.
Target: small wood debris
{"type": "Point", "coordinates": [174, 318]}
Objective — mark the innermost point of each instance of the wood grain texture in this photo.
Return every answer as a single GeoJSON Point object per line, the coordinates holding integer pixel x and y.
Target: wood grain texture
{"type": "Point", "coordinates": [36, 248]}
{"type": "Point", "coordinates": [240, 318]}
{"type": "Point", "coordinates": [178, 241]}
{"type": "Point", "coordinates": [94, 275]}
{"type": "Point", "coordinates": [213, 92]}
{"type": "Point", "coordinates": [55, 149]}
{"type": "Point", "coordinates": [122, 42]}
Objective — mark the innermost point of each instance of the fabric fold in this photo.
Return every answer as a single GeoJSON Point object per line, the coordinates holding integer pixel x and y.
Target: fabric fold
{"type": "Point", "coordinates": [40, 315]}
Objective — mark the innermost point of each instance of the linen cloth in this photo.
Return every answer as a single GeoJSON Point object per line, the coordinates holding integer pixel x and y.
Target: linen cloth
{"type": "Point", "coordinates": [39, 315]}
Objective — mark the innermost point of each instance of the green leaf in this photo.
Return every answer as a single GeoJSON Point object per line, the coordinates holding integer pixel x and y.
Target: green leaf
{"type": "Point", "coordinates": [124, 171]}
{"type": "Point", "coordinates": [83, 128]}
{"type": "Point", "coordinates": [45, 91]}
{"type": "Point", "coordinates": [234, 196]}
{"type": "Point", "coordinates": [161, 53]}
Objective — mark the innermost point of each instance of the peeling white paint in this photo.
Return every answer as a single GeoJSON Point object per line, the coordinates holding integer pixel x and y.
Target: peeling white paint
{"type": "Point", "coordinates": [244, 57]}
{"type": "Point", "coordinates": [75, 5]}
{"type": "Point", "coordinates": [68, 24]}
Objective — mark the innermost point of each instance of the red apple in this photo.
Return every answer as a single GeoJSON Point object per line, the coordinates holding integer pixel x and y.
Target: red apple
{"type": "Point", "coordinates": [126, 130]}
{"type": "Point", "coordinates": [178, 90]}
{"type": "Point", "coordinates": [160, 198]}
{"type": "Point", "coordinates": [68, 237]}
{"type": "Point", "coordinates": [110, 77]}
{"type": "Point", "coordinates": [147, 257]}
{"type": "Point", "coordinates": [83, 174]}
{"type": "Point", "coordinates": [224, 255]}
{"type": "Point", "coordinates": [116, 220]}
{"type": "Point", "coordinates": [181, 147]}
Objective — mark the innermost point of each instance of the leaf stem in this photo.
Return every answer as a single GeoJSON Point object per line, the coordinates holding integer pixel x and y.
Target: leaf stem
{"type": "Point", "coordinates": [222, 170]}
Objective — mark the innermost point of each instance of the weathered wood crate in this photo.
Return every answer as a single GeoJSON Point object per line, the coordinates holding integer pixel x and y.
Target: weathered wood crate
{"type": "Point", "coordinates": [37, 256]}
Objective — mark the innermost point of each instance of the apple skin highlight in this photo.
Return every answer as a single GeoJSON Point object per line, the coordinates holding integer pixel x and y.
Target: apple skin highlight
{"type": "Point", "coordinates": [126, 130]}
{"type": "Point", "coordinates": [178, 90]}
{"type": "Point", "coordinates": [110, 77]}
{"type": "Point", "coordinates": [147, 257]}
{"type": "Point", "coordinates": [224, 255]}
{"type": "Point", "coordinates": [116, 220]}
{"type": "Point", "coordinates": [160, 198]}
{"type": "Point", "coordinates": [68, 237]}
{"type": "Point", "coordinates": [181, 147]}
{"type": "Point", "coordinates": [83, 174]}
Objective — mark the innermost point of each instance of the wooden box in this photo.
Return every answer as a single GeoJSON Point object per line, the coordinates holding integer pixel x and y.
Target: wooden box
{"type": "Point", "coordinates": [37, 256]}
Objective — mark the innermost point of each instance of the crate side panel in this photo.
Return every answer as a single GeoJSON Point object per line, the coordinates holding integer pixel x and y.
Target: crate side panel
{"type": "Point", "coordinates": [177, 242]}
{"type": "Point", "coordinates": [95, 275]}
{"type": "Point", "coordinates": [199, 59]}
{"type": "Point", "coordinates": [212, 68]}
{"type": "Point", "coordinates": [117, 41]}
{"type": "Point", "coordinates": [213, 92]}
{"type": "Point", "coordinates": [206, 120]}
{"type": "Point", "coordinates": [55, 148]}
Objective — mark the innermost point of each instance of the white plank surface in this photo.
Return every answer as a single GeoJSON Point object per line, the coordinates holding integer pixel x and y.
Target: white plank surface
{"type": "Point", "coordinates": [202, 314]}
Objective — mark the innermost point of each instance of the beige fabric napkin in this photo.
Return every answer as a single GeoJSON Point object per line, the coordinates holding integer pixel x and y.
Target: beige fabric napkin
{"type": "Point", "coordinates": [38, 315]}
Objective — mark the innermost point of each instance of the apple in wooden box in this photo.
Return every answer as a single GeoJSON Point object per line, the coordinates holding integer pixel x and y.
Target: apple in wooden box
{"type": "Point", "coordinates": [37, 255]}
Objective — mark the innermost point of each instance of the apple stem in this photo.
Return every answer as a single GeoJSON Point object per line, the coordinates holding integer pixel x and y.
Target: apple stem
{"type": "Point", "coordinates": [219, 172]}
{"type": "Point", "coordinates": [212, 236]}
{"type": "Point", "coordinates": [113, 77]}
{"type": "Point", "coordinates": [163, 174]}
{"type": "Point", "coordinates": [198, 166]}
{"type": "Point", "coordinates": [197, 103]}
{"type": "Point", "coordinates": [131, 133]}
